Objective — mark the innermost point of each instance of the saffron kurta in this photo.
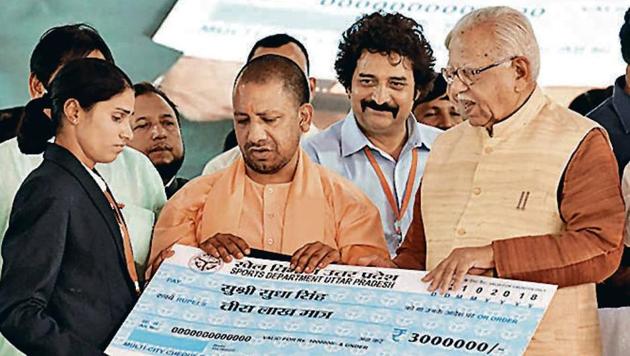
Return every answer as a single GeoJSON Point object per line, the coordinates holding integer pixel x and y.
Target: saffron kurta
{"type": "Point", "coordinates": [318, 205]}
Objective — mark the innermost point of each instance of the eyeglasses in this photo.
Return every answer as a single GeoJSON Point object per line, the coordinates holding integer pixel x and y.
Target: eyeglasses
{"type": "Point", "coordinates": [469, 76]}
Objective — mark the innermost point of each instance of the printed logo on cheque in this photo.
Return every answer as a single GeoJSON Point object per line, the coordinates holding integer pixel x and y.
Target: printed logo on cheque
{"type": "Point", "coordinates": [205, 263]}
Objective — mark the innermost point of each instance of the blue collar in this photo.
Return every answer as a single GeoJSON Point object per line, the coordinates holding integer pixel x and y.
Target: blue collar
{"type": "Point", "coordinates": [621, 103]}
{"type": "Point", "coordinates": [353, 139]}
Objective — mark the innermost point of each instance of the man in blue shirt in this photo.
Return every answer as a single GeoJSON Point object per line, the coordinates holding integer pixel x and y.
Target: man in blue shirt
{"type": "Point", "coordinates": [614, 115]}
{"type": "Point", "coordinates": [385, 64]}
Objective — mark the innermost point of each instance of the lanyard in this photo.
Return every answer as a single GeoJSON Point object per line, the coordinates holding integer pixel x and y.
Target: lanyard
{"type": "Point", "coordinates": [128, 249]}
{"type": "Point", "coordinates": [398, 213]}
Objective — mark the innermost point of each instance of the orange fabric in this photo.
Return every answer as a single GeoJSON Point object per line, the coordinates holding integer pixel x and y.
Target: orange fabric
{"type": "Point", "coordinates": [317, 205]}
{"type": "Point", "coordinates": [587, 251]}
{"type": "Point", "coordinates": [266, 204]}
{"type": "Point", "coordinates": [131, 265]}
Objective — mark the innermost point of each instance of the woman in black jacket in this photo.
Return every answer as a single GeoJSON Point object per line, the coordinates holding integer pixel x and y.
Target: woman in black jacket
{"type": "Point", "coordinates": [68, 279]}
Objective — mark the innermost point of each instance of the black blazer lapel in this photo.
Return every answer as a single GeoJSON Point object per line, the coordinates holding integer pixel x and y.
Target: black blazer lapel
{"type": "Point", "coordinates": [70, 163]}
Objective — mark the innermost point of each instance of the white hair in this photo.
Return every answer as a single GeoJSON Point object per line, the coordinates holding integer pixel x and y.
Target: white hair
{"type": "Point", "coordinates": [513, 33]}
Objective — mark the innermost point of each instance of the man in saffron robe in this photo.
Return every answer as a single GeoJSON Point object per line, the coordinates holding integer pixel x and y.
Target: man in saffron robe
{"type": "Point", "coordinates": [274, 198]}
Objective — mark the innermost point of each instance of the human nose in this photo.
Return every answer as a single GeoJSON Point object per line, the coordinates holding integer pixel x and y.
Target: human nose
{"type": "Point", "coordinates": [381, 94]}
{"type": "Point", "coordinates": [447, 121]}
{"type": "Point", "coordinates": [256, 132]}
{"type": "Point", "coordinates": [157, 132]}
{"type": "Point", "coordinates": [127, 132]}
{"type": "Point", "coordinates": [456, 86]}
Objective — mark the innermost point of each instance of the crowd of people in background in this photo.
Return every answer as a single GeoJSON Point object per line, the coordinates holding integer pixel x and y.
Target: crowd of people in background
{"type": "Point", "coordinates": [469, 170]}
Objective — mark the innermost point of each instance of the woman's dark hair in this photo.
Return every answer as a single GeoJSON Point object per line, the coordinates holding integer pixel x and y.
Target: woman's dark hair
{"type": "Point", "coordinates": [387, 33]}
{"type": "Point", "coordinates": [87, 80]}
{"type": "Point", "coordinates": [61, 44]}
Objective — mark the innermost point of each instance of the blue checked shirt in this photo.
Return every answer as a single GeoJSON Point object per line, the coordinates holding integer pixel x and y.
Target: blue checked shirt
{"type": "Point", "coordinates": [340, 149]}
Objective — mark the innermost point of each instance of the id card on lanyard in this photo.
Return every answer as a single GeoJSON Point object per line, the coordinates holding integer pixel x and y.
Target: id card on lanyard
{"type": "Point", "coordinates": [391, 199]}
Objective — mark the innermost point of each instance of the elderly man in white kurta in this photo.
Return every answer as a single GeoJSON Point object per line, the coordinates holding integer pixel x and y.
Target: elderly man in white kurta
{"type": "Point", "coordinates": [525, 189]}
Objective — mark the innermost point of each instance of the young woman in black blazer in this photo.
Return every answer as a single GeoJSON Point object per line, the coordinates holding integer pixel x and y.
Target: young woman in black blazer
{"type": "Point", "coordinates": [67, 281]}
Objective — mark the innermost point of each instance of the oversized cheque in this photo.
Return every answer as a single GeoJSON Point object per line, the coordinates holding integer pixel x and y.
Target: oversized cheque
{"type": "Point", "coordinates": [197, 305]}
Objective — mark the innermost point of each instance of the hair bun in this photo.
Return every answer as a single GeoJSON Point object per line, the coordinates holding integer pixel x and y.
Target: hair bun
{"type": "Point", "coordinates": [36, 127]}
{"type": "Point", "coordinates": [45, 101]}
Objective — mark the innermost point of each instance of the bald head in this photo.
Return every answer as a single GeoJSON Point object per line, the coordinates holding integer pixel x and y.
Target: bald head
{"type": "Point", "coordinates": [271, 68]}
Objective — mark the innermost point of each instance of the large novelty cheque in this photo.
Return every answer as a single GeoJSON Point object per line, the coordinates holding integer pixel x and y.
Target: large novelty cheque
{"type": "Point", "coordinates": [198, 305]}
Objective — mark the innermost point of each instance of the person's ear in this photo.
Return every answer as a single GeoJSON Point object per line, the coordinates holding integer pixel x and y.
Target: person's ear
{"type": "Point", "coordinates": [36, 88]}
{"type": "Point", "coordinates": [312, 84]}
{"type": "Point", "coordinates": [72, 111]}
{"type": "Point", "coordinates": [305, 114]}
{"type": "Point", "coordinates": [416, 95]}
{"type": "Point", "coordinates": [523, 71]}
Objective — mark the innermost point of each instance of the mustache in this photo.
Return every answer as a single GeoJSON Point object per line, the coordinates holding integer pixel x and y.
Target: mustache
{"type": "Point", "coordinates": [260, 144]}
{"type": "Point", "coordinates": [379, 107]}
{"type": "Point", "coordinates": [460, 98]}
{"type": "Point", "coordinates": [160, 147]}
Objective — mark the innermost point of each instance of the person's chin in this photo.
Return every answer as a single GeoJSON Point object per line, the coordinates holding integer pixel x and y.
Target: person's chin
{"type": "Point", "coordinates": [478, 121]}
{"type": "Point", "coordinates": [382, 124]}
{"type": "Point", "coordinates": [261, 166]}
{"type": "Point", "coordinates": [109, 158]}
{"type": "Point", "coordinates": [161, 157]}
{"type": "Point", "coordinates": [471, 118]}
{"type": "Point", "coordinates": [160, 161]}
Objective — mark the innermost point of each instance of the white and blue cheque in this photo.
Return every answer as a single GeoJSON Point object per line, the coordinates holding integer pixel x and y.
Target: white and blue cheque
{"type": "Point", "coordinates": [198, 305]}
